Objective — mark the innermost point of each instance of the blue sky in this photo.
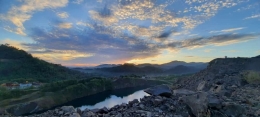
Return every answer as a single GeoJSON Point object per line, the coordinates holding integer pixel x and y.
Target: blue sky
{"type": "Point", "coordinates": [92, 32]}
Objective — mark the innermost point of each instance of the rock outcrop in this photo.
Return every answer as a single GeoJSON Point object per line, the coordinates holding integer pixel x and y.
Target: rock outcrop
{"type": "Point", "coordinates": [162, 90]}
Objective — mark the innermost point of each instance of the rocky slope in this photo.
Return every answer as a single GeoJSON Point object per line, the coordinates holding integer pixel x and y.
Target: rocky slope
{"type": "Point", "coordinates": [51, 100]}
{"type": "Point", "coordinates": [218, 91]}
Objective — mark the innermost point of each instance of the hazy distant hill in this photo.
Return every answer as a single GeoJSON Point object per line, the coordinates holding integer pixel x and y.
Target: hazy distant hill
{"type": "Point", "coordinates": [181, 69]}
{"type": "Point", "coordinates": [177, 63]}
{"type": "Point", "coordinates": [153, 69]}
{"type": "Point", "coordinates": [122, 69]}
{"type": "Point", "coordinates": [106, 65]}
{"type": "Point", "coordinates": [17, 64]}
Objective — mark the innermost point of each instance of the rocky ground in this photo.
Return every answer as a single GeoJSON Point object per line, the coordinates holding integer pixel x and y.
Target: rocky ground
{"type": "Point", "coordinates": [218, 91]}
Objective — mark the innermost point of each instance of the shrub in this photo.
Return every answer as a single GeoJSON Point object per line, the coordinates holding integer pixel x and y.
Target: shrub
{"type": "Point", "coordinates": [252, 77]}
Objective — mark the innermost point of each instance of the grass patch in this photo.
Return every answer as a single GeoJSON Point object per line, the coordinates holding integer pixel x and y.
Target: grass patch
{"type": "Point", "coordinates": [252, 77]}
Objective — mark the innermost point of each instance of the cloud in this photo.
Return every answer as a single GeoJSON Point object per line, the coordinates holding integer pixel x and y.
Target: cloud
{"type": "Point", "coordinates": [231, 51]}
{"type": "Point", "coordinates": [63, 15]}
{"type": "Point", "coordinates": [252, 17]}
{"type": "Point", "coordinates": [65, 25]}
{"type": "Point", "coordinates": [227, 30]}
{"type": "Point", "coordinates": [217, 40]}
{"type": "Point", "coordinates": [97, 42]}
{"type": "Point", "coordinates": [207, 50]}
{"type": "Point", "coordinates": [17, 15]}
{"type": "Point", "coordinates": [77, 1]}
{"type": "Point", "coordinates": [258, 52]}
{"type": "Point", "coordinates": [189, 56]}
{"type": "Point", "coordinates": [56, 55]}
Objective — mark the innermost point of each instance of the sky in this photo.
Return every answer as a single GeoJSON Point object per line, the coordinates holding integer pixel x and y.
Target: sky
{"type": "Point", "coordinates": [93, 32]}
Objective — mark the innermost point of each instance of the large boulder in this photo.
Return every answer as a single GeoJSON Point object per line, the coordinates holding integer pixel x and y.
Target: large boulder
{"type": "Point", "coordinates": [197, 103]}
{"type": "Point", "coordinates": [161, 90]}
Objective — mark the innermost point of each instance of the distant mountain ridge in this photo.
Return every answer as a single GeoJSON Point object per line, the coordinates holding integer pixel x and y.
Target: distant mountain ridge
{"type": "Point", "coordinates": [179, 67]}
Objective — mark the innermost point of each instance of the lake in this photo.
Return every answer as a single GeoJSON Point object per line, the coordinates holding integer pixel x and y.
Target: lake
{"type": "Point", "coordinates": [108, 98]}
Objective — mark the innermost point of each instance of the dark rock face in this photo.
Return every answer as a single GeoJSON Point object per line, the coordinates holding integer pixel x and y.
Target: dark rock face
{"type": "Point", "coordinates": [162, 90]}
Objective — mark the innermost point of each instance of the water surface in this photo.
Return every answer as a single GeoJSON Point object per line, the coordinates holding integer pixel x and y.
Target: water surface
{"type": "Point", "coordinates": [108, 98]}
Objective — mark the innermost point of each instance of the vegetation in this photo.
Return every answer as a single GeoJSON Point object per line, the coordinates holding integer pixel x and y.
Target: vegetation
{"type": "Point", "coordinates": [8, 94]}
{"type": "Point", "coordinates": [18, 65]}
{"type": "Point", "coordinates": [252, 77]}
{"type": "Point", "coordinates": [73, 85]}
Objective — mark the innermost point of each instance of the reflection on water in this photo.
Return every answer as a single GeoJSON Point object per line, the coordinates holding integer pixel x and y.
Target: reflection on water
{"type": "Point", "coordinates": [108, 98]}
{"type": "Point", "coordinates": [114, 100]}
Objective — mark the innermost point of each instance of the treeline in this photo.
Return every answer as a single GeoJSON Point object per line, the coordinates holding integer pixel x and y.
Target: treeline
{"type": "Point", "coordinates": [68, 87]}
{"type": "Point", "coordinates": [18, 64]}
{"type": "Point", "coordinates": [77, 88]}
{"type": "Point", "coordinates": [92, 83]}
{"type": "Point", "coordinates": [8, 94]}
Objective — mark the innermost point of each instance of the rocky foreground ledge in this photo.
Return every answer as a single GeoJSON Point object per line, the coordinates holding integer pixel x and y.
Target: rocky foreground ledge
{"type": "Point", "coordinates": [167, 102]}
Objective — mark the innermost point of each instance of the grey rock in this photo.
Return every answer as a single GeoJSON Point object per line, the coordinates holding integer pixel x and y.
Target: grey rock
{"type": "Point", "coordinates": [162, 90]}
{"type": "Point", "coordinates": [131, 103]}
{"type": "Point", "coordinates": [61, 112]}
{"type": "Point", "coordinates": [102, 110]}
{"type": "Point", "coordinates": [157, 101]}
{"type": "Point", "coordinates": [234, 110]}
{"type": "Point", "coordinates": [141, 106]}
{"type": "Point", "coordinates": [201, 86]}
{"type": "Point", "coordinates": [119, 115]}
{"type": "Point", "coordinates": [177, 116]}
{"type": "Point", "coordinates": [214, 102]}
{"type": "Point", "coordinates": [68, 109]}
{"type": "Point", "coordinates": [198, 103]}
{"type": "Point", "coordinates": [88, 114]}
{"type": "Point", "coordinates": [183, 92]}
{"type": "Point", "coordinates": [75, 115]}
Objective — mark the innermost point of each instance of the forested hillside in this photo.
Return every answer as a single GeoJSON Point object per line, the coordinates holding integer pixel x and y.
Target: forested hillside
{"type": "Point", "coordinates": [16, 64]}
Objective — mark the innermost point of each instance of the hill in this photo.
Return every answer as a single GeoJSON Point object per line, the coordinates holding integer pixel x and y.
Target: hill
{"type": "Point", "coordinates": [172, 64]}
{"type": "Point", "coordinates": [152, 69]}
{"type": "Point", "coordinates": [181, 69]}
{"type": "Point", "coordinates": [125, 68]}
{"type": "Point", "coordinates": [18, 64]}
